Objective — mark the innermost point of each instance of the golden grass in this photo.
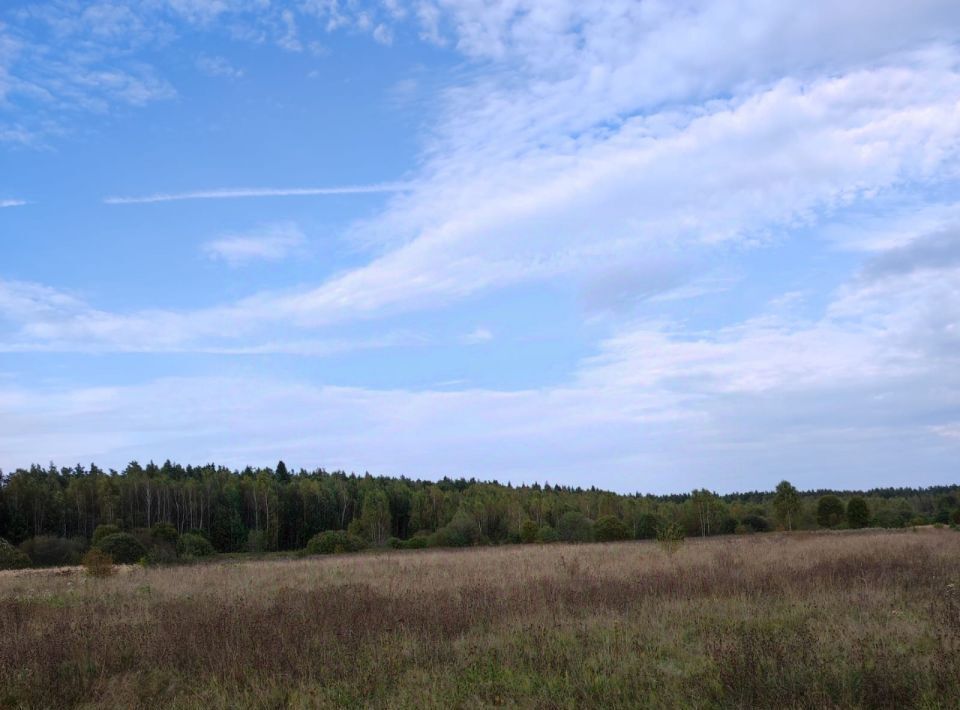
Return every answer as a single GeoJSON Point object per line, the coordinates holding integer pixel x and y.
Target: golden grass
{"type": "Point", "coordinates": [802, 620]}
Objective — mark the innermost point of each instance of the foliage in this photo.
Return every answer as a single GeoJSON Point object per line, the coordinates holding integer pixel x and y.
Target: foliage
{"type": "Point", "coordinates": [786, 504]}
{"type": "Point", "coordinates": [256, 541]}
{"type": "Point", "coordinates": [123, 548]}
{"type": "Point", "coordinates": [858, 513]}
{"type": "Point", "coordinates": [164, 533]}
{"type": "Point", "coordinates": [97, 563]}
{"type": "Point", "coordinates": [574, 526]}
{"type": "Point", "coordinates": [50, 551]}
{"type": "Point", "coordinates": [528, 531]}
{"type": "Point", "coordinates": [547, 534]}
{"type": "Point", "coordinates": [647, 526]}
{"type": "Point", "coordinates": [670, 537]}
{"type": "Point", "coordinates": [11, 557]}
{"type": "Point", "coordinates": [193, 545]}
{"type": "Point", "coordinates": [103, 531]}
{"type": "Point", "coordinates": [830, 511]}
{"type": "Point", "coordinates": [755, 523]}
{"type": "Point", "coordinates": [334, 541]}
{"type": "Point", "coordinates": [609, 528]}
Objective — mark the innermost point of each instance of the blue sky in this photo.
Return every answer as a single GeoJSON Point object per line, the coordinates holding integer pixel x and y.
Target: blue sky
{"type": "Point", "coordinates": [641, 245]}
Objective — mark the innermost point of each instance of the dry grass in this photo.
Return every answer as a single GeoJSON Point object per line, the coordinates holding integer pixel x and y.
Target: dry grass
{"type": "Point", "coordinates": [816, 620]}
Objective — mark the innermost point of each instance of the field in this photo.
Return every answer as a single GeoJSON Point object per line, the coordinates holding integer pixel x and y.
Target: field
{"type": "Point", "coordinates": [867, 619]}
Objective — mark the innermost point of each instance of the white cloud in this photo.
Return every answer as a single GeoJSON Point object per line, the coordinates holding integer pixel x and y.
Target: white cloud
{"type": "Point", "coordinates": [218, 67]}
{"type": "Point", "coordinates": [272, 243]}
{"type": "Point", "coordinates": [227, 193]}
{"type": "Point", "coordinates": [477, 336]}
{"type": "Point", "coordinates": [12, 203]}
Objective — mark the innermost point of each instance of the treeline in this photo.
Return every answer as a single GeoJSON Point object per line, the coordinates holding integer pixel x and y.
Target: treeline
{"type": "Point", "coordinates": [262, 509]}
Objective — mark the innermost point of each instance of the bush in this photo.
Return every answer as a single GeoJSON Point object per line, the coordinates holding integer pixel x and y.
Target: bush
{"type": "Point", "coordinates": [609, 528]}
{"type": "Point", "coordinates": [528, 531]}
{"type": "Point", "coordinates": [192, 545]}
{"type": "Point", "coordinates": [460, 532]}
{"type": "Point", "coordinates": [98, 563]}
{"type": "Point", "coordinates": [164, 533]}
{"type": "Point", "coordinates": [547, 534]}
{"type": "Point", "coordinates": [334, 541]}
{"type": "Point", "coordinates": [755, 523]}
{"type": "Point", "coordinates": [858, 513]}
{"type": "Point", "coordinates": [574, 526]}
{"type": "Point", "coordinates": [670, 537]}
{"type": "Point", "coordinates": [124, 548]}
{"type": "Point", "coordinates": [417, 542]}
{"type": "Point", "coordinates": [256, 541]}
{"type": "Point", "coordinates": [830, 512]}
{"type": "Point", "coordinates": [647, 526]}
{"type": "Point", "coordinates": [49, 551]}
{"type": "Point", "coordinates": [11, 557]}
{"type": "Point", "coordinates": [102, 531]}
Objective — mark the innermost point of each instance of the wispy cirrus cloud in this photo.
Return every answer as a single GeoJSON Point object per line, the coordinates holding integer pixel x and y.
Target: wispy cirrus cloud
{"type": "Point", "coordinates": [12, 203]}
{"type": "Point", "coordinates": [271, 243]}
{"type": "Point", "coordinates": [232, 193]}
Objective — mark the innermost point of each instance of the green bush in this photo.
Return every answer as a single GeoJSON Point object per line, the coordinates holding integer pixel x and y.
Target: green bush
{"type": "Point", "coordinates": [670, 537]}
{"type": "Point", "coordinates": [858, 513]}
{"type": "Point", "coordinates": [123, 548]}
{"type": "Point", "coordinates": [417, 542]}
{"type": "Point", "coordinates": [755, 523]}
{"type": "Point", "coordinates": [11, 557]}
{"type": "Point", "coordinates": [334, 541]}
{"type": "Point", "coordinates": [528, 531]}
{"type": "Point", "coordinates": [49, 551]}
{"type": "Point", "coordinates": [647, 526]}
{"type": "Point", "coordinates": [193, 545]}
{"type": "Point", "coordinates": [547, 534]}
{"type": "Point", "coordinates": [102, 531]}
{"type": "Point", "coordinates": [164, 533]}
{"type": "Point", "coordinates": [830, 511]}
{"type": "Point", "coordinates": [574, 526]}
{"type": "Point", "coordinates": [461, 531]}
{"type": "Point", "coordinates": [609, 528]}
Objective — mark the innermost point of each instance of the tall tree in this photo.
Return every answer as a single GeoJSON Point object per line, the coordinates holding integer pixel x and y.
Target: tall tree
{"type": "Point", "coordinates": [786, 504]}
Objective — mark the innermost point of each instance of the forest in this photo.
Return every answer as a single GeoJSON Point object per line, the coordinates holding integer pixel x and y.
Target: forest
{"type": "Point", "coordinates": [267, 509]}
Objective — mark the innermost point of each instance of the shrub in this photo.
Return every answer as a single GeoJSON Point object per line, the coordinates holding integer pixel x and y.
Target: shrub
{"type": "Point", "coordinates": [609, 528]}
{"type": "Point", "coordinates": [460, 531]}
{"type": "Point", "coordinates": [830, 512]}
{"type": "Point", "coordinates": [49, 551]}
{"type": "Point", "coordinates": [574, 526]}
{"type": "Point", "coordinates": [124, 548]}
{"type": "Point", "coordinates": [192, 545]}
{"type": "Point", "coordinates": [670, 537]}
{"type": "Point", "coordinates": [102, 531]}
{"type": "Point", "coordinates": [887, 519]}
{"type": "Point", "coordinates": [417, 542]}
{"type": "Point", "coordinates": [755, 523]}
{"type": "Point", "coordinates": [164, 533]}
{"type": "Point", "coordinates": [98, 563]}
{"type": "Point", "coordinates": [647, 525]}
{"type": "Point", "coordinates": [256, 541]}
{"type": "Point", "coordinates": [11, 557]}
{"type": "Point", "coordinates": [547, 534]}
{"type": "Point", "coordinates": [858, 513]}
{"type": "Point", "coordinates": [528, 531]}
{"type": "Point", "coordinates": [334, 541]}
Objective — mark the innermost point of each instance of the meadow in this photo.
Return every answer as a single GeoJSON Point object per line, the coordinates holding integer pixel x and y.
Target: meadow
{"type": "Point", "coordinates": [827, 619]}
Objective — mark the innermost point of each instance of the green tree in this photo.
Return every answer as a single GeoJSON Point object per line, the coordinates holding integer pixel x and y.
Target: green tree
{"type": "Point", "coordinates": [609, 528]}
{"type": "Point", "coordinates": [574, 526]}
{"type": "Point", "coordinates": [858, 513]}
{"type": "Point", "coordinates": [786, 504]}
{"type": "Point", "coordinates": [830, 511]}
{"type": "Point", "coordinates": [528, 531]}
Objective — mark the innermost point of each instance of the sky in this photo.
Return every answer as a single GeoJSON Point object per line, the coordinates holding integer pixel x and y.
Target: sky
{"type": "Point", "coordinates": [647, 245]}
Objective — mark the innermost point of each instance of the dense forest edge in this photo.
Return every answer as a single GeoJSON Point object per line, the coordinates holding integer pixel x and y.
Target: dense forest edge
{"type": "Point", "coordinates": [163, 513]}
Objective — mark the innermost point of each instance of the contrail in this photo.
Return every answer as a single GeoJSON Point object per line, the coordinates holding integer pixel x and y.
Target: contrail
{"type": "Point", "coordinates": [12, 203]}
{"type": "Point", "coordinates": [233, 193]}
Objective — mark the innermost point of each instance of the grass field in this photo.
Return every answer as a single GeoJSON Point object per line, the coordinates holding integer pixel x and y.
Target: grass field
{"type": "Point", "coordinates": [866, 619]}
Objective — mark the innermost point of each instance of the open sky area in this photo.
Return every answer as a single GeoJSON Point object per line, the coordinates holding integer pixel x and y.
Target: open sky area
{"type": "Point", "coordinates": [644, 245]}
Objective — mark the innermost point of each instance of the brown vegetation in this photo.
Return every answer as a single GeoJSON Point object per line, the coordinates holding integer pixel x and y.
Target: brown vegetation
{"type": "Point", "coordinates": [805, 620]}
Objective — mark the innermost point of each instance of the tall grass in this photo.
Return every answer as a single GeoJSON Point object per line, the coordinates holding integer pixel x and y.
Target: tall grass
{"type": "Point", "coordinates": [817, 620]}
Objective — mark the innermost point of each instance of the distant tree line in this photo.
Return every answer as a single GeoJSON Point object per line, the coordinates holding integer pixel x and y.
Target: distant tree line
{"type": "Point", "coordinates": [53, 513]}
